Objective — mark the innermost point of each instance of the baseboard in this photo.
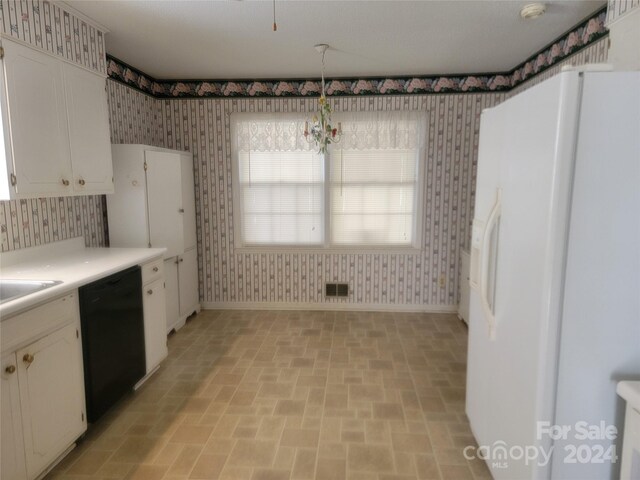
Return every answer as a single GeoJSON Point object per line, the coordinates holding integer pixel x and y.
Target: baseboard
{"type": "Point", "coordinates": [356, 307]}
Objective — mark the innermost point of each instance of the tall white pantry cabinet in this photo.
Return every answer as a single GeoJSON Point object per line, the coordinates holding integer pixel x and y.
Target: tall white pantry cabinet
{"type": "Point", "coordinates": [154, 206]}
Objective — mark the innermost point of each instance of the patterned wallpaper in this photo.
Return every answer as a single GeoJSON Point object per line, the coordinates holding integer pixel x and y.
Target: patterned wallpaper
{"type": "Point", "coordinates": [202, 127]}
{"type": "Point", "coordinates": [617, 9]}
{"type": "Point", "coordinates": [47, 26]}
{"type": "Point", "coordinates": [26, 223]}
{"type": "Point", "coordinates": [134, 116]}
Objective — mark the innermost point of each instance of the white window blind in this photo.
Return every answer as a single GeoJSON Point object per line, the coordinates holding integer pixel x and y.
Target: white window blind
{"type": "Point", "coordinates": [372, 190]}
{"type": "Point", "coordinates": [373, 197]}
{"type": "Point", "coordinates": [280, 182]}
{"type": "Point", "coordinates": [374, 182]}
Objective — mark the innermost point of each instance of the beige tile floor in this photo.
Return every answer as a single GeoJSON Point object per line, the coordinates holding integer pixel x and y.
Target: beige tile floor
{"type": "Point", "coordinates": [293, 395]}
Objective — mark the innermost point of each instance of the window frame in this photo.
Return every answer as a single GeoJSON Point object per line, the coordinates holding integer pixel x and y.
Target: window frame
{"type": "Point", "coordinates": [326, 247]}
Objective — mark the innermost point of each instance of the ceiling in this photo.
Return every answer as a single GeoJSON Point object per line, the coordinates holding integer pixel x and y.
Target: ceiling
{"type": "Point", "coordinates": [234, 39]}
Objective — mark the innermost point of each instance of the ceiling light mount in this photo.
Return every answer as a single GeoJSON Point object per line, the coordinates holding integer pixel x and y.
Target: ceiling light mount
{"type": "Point", "coordinates": [533, 10]}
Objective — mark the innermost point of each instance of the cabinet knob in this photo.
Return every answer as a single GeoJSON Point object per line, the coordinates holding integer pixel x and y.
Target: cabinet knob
{"type": "Point", "coordinates": [181, 210]}
{"type": "Point", "coordinates": [65, 182]}
{"type": "Point", "coordinates": [182, 259]}
{"type": "Point", "coordinates": [10, 369]}
{"type": "Point", "coordinates": [149, 292]}
{"type": "Point", "coordinates": [155, 269]}
{"type": "Point", "coordinates": [28, 358]}
{"type": "Point", "coordinates": [81, 181]}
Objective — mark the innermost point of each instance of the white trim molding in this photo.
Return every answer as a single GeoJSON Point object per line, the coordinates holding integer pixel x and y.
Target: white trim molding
{"type": "Point", "coordinates": [331, 306]}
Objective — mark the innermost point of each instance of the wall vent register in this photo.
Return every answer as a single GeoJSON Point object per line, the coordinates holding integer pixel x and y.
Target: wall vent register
{"type": "Point", "coordinates": [336, 289]}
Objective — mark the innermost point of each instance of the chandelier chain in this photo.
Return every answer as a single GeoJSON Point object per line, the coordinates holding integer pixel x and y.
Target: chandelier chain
{"type": "Point", "coordinates": [322, 71]}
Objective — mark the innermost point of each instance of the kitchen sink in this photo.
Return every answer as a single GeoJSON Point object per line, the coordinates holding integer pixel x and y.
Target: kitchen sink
{"type": "Point", "coordinates": [12, 289]}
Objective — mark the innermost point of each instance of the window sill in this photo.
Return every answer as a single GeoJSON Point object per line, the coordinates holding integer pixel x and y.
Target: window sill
{"type": "Point", "coordinates": [333, 250]}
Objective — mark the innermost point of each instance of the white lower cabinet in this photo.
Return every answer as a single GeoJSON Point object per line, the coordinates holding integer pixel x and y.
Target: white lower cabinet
{"type": "Point", "coordinates": [51, 396]}
{"type": "Point", "coordinates": [155, 314]}
{"type": "Point", "coordinates": [173, 296]}
{"type": "Point", "coordinates": [43, 403]}
{"type": "Point", "coordinates": [188, 282]}
{"type": "Point", "coordinates": [183, 297]}
{"type": "Point", "coordinates": [12, 464]}
{"type": "Point", "coordinates": [155, 321]}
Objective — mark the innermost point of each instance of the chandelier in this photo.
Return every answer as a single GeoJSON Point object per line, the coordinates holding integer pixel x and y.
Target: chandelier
{"type": "Point", "coordinates": [322, 133]}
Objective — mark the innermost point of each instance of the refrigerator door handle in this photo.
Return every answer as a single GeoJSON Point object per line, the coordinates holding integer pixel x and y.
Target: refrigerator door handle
{"type": "Point", "coordinates": [492, 221]}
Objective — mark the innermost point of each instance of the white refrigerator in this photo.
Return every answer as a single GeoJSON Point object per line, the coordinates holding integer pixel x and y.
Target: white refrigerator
{"type": "Point", "coordinates": [555, 276]}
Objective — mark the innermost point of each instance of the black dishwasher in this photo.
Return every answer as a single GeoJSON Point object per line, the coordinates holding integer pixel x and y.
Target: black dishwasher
{"type": "Point", "coordinates": [112, 338]}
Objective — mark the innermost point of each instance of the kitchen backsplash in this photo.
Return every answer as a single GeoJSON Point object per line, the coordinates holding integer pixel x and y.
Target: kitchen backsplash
{"type": "Point", "coordinates": [28, 223]}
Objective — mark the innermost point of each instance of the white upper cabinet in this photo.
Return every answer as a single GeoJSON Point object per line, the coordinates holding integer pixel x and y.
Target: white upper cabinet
{"type": "Point", "coordinates": [38, 145]}
{"type": "Point", "coordinates": [55, 127]}
{"type": "Point", "coordinates": [88, 130]}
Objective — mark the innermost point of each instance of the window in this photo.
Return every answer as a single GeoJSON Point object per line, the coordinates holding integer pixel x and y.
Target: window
{"type": "Point", "coordinates": [371, 196]}
{"type": "Point", "coordinates": [280, 182]}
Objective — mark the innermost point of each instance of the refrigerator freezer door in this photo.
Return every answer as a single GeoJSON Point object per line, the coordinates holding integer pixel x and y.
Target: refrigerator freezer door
{"type": "Point", "coordinates": [489, 155]}
{"type": "Point", "coordinates": [537, 136]}
{"type": "Point", "coordinates": [600, 336]}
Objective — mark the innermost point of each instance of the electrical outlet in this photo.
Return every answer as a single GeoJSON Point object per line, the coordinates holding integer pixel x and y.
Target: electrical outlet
{"type": "Point", "coordinates": [442, 281]}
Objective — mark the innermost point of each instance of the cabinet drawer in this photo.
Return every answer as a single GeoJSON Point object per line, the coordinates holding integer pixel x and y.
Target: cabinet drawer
{"type": "Point", "coordinates": [27, 326]}
{"type": "Point", "coordinates": [152, 270]}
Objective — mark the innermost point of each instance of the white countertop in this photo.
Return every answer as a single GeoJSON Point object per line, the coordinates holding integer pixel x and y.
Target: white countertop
{"type": "Point", "coordinates": [68, 261]}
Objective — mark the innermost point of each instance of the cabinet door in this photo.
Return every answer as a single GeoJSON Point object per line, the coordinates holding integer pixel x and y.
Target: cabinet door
{"type": "Point", "coordinates": [12, 454]}
{"type": "Point", "coordinates": [51, 396]}
{"type": "Point", "coordinates": [155, 323]}
{"type": "Point", "coordinates": [188, 282]}
{"type": "Point", "coordinates": [164, 200]}
{"type": "Point", "coordinates": [86, 100]}
{"type": "Point", "coordinates": [171, 292]}
{"type": "Point", "coordinates": [38, 118]}
{"type": "Point", "coordinates": [188, 202]}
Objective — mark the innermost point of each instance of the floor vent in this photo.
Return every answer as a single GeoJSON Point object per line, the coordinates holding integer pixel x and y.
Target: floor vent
{"type": "Point", "coordinates": [336, 289]}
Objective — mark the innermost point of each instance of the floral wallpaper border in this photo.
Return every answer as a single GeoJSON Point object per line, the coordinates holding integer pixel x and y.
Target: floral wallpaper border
{"type": "Point", "coordinates": [579, 37]}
